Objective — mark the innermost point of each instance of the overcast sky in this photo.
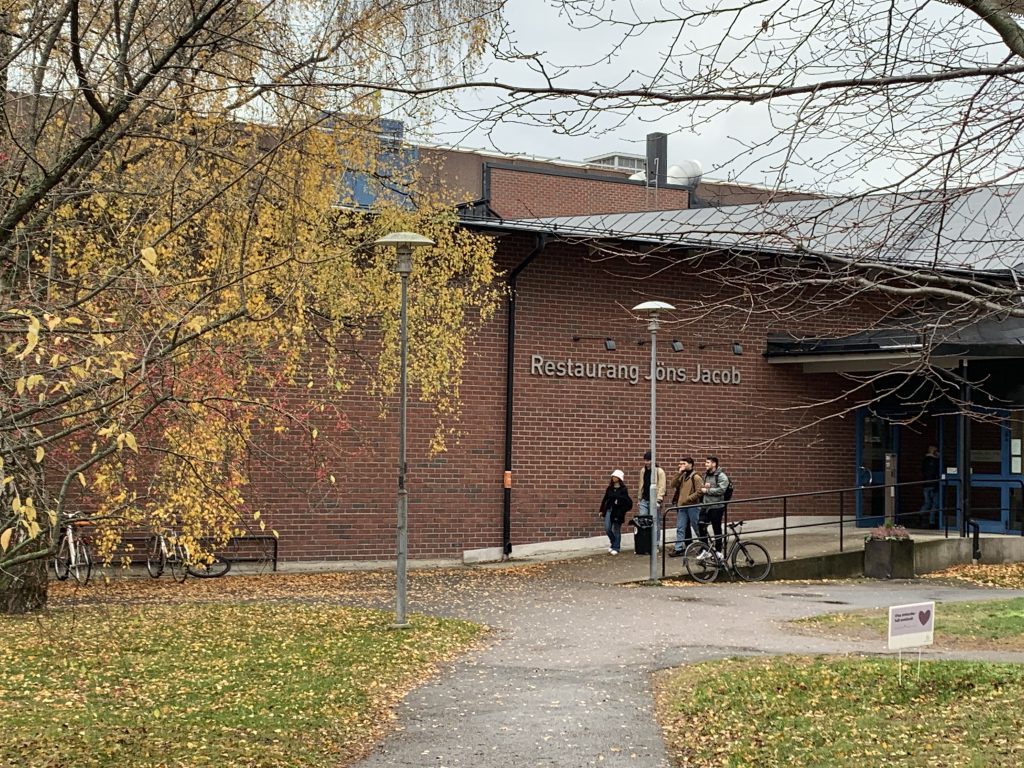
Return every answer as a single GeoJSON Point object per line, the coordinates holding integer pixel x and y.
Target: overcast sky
{"type": "Point", "coordinates": [540, 27]}
{"type": "Point", "coordinates": [720, 145]}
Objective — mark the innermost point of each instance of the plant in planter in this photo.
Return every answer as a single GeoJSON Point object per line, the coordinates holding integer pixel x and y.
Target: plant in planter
{"type": "Point", "coordinates": [889, 553]}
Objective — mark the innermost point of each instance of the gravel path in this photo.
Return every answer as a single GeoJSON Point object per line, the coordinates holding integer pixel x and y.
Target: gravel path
{"type": "Point", "coordinates": [566, 681]}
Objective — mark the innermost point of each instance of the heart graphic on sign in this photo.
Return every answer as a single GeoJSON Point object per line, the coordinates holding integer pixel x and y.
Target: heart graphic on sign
{"type": "Point", "coordinates": [923, 616]}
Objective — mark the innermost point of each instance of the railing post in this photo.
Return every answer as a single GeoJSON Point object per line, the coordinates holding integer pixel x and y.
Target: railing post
{"type": "Point", "coordinates": [664, 517]}
{"type": "Point", "coordinates": [842, 526]}
{"type": "Point", "coordinates": [785, 526]}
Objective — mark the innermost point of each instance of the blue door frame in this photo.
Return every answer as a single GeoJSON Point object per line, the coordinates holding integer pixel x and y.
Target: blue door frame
{"type": "Point", "coordinates": [1008, 483]}
{"type": "Point", "coordinates": [1003, 480]}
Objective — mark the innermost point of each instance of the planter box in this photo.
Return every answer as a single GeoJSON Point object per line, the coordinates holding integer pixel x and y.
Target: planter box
{"type": "Point", "coordinates": [889, 559]}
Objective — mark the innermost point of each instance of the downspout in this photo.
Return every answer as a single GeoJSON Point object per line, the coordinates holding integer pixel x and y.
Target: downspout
{"type": "Point", "coordinates": [510, 355]}
{"type": "Point", "coordinates": [964, 459]}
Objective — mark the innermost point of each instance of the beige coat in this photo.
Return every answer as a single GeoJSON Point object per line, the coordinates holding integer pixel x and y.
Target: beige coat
{"type": "Point", "coordinates": [662, 485]}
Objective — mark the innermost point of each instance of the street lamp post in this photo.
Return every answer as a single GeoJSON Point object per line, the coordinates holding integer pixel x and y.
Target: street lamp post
{"type": "Point", "coordinates": [652, 309]}
{"type": "Point", "coordinates": [403, 243]}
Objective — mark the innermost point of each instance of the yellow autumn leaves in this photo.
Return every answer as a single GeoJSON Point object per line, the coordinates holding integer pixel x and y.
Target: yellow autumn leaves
{"type": "Point", "coordinates": [253, 684]}
{"type": "Point", "coordinates": [844, 712]}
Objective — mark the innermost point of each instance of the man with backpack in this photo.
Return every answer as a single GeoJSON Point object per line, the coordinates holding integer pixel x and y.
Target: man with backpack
{"type": "Point", "coordinates": [717, 491]}
{"type": "Point", "coordinates": [688, 485]}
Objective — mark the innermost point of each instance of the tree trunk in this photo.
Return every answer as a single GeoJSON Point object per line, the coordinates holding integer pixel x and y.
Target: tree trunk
{"type": "Point", "coordinates": [23, 587]}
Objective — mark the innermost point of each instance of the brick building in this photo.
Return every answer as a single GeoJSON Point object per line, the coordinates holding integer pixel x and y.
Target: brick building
{"type": "Point", "coordinates": [545, 397]}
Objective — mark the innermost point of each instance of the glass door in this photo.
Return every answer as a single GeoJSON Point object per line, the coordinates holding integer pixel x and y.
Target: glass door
{"type": "Point", "coordinates": [1016, 495]}
{"type": "Point", "coordinates": [988, 481]}
{"type": "Point", "coordinates": [996, 479]}
{"type": "Point", "coordinates": [875, 438]}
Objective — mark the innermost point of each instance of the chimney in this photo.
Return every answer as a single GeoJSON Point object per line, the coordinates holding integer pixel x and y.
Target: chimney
{"type": "Point", "coordinates": [657, 158]}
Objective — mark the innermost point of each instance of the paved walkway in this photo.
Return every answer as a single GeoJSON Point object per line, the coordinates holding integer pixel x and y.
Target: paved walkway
{"type": "Point", "coordinates": [566, 680]}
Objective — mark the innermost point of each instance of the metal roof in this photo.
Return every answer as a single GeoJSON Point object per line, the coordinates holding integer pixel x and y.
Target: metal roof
{"type": "Point", "coordinates": [978, 229]}
{"type": "Point", "coordinates": [983, 338]}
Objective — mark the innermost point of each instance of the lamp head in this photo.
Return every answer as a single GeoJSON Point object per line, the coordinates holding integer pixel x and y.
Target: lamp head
{"type": "Point", "coordinates": [653, 307]}
{"type": "Point", "coordinates": [404, 242]}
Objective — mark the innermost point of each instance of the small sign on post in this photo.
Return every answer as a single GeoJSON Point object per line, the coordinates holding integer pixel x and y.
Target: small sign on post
{"type": "Point", "coordinates": [911, 626]}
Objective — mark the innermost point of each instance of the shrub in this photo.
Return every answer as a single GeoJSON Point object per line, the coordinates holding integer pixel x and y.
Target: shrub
{"type": "Point", "coordinates": [888, 532]}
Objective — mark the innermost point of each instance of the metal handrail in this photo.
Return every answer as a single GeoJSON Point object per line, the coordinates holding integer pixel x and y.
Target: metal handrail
{"type": "Point", "coordinates": [784, 498]}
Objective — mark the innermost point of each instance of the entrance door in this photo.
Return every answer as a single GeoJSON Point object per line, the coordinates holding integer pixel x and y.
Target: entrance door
{"type": "Point", "coordinates": [989, 439]}
{"type": "Point", "coordinates": [1016, 473]}
{"type": "Point", "coordinates": [997, 484]}
{"type": "Point", "coordinates": [875, 438]}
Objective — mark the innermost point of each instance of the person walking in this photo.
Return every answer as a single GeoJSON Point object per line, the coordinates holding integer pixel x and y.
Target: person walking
{"type": "Point", "coordinates": [689, 488]}
{"type": "Point", "coordinates": [614, 506]}
{"type": "Point", "coordinates": [931, 470]}
{"type": "Point", "coordinates": [716, 482]}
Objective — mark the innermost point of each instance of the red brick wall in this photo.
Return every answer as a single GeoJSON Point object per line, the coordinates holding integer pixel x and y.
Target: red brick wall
{"type": "Point", "coordinates": [569, 433]}
{"type": "Point", "coordinates": [522, 193]}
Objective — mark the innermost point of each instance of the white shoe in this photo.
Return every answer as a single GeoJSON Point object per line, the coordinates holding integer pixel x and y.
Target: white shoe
{"type": "Point", "coordinates": [613, 552]}
{"type": "Point", "coordinates": [704, 555]}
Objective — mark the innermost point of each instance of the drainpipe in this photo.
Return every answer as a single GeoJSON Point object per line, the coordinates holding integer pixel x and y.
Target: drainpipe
{"type": "Point", "coordinates": [510, 353]}
{"type": "Point", "coordinates": [964, 469]}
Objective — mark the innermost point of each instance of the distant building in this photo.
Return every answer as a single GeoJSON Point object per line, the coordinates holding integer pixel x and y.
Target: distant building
{"type": "Point", "coordinates": [491, 185]}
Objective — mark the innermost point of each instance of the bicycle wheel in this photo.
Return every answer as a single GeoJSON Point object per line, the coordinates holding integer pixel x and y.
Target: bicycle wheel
{"type": "Point", "coordinates": [156, 557]}
{"type": "Point", "coordinates": [176, 562]}
{"type": "Point", "coordinates": [701, 562]}
{"type": "Point", "coordinates": [62, 560]}
{"type": "Point", "coordinates": [81, 568]}
{"type": "Point", "coordinates": [751, 561]}
{"type": "Point", "coordinates": [217, 567]}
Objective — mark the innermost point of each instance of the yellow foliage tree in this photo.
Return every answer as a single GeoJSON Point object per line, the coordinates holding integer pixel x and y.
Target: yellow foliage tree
{"type": "Point", "coordinates": [176, 252]}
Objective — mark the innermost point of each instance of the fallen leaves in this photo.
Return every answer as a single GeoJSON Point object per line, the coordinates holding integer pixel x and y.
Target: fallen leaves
{"type": "Point", "coordinates": [209, 684]}
{"type": "Point", "coordinates": [366, 587]}
{"type": "Point", "coordinates": [1002, 575]}
{"type": "Point", "coordinates": [842, 713]}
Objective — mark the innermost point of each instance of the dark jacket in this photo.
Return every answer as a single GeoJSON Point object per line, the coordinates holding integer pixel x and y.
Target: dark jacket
{"type": "Point", "coordinates": [931, 469]}
{"type": "Point", "coordinates": [616, 499]}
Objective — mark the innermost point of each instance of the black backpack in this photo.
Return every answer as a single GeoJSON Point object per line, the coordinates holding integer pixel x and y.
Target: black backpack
{"type": "Point", "coordinates": [729, 489]}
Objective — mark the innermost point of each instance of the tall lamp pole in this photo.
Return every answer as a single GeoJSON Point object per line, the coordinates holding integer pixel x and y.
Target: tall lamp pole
{"type": "Point", "coordinates": [652, 309]}
{"type": "Point", "coordinates": [403, 243]}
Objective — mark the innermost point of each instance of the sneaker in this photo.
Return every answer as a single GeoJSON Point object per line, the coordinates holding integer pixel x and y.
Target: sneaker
{"type": "Point", "coordinates": [676, 553]}
{"type": "Point", "coordinates": [704, 555]}
{"type": "Point", "coordinates": [613, 552]}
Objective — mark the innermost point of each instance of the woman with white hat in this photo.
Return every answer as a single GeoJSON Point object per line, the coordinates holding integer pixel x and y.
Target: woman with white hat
{"type": "Point", "coordinates": [614, 506]}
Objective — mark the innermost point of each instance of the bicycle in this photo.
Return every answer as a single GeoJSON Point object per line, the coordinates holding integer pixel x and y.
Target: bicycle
{"type": "Point", "coordinates": [169, 551]}
{"type": "Point", "coordinates": [746, 559]}
{"type": "Point", "coordinates": [163, 551]}
{"type": "Point", "coordinates": [72, 556]}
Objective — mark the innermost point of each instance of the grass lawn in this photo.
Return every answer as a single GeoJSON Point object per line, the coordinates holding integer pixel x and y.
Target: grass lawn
{"type": "Point", "coordinates": [997, 624]}
{"type": "Point", "coordinates": [843, 713]}
{"type": "Point", "coordinates": [210, 684]}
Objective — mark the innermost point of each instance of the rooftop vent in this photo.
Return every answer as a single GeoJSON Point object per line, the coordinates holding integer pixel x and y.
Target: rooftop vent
{"type": "Point", "coordinates": [687, 174]}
